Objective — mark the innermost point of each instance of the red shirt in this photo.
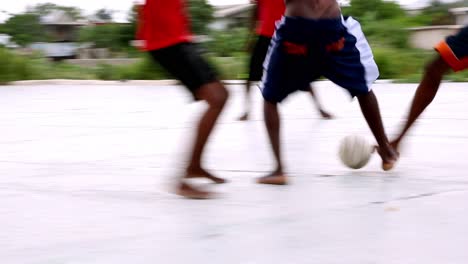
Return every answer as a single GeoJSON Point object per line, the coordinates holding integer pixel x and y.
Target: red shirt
{"type": "Point", "coordinates": [163, 23]}
{"type": "Point", "coordinates": [269, 11]}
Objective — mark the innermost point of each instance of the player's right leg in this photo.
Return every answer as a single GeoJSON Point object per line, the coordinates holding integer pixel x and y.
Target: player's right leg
{"type": "Point", "coordinates": [185, 63]}
{"type": "Point", "coordinates": [286, 70]}
{"type": "Point", "coordinates": [272, 123]}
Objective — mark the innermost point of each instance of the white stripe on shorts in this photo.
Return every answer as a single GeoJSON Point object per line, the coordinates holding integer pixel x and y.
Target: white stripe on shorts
{"type": "Point", "coordinates": [367, 58]}
{"type": "Point", "coordinates": [273, 43]}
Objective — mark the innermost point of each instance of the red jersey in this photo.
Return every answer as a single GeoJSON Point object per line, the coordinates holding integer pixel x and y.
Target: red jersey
{"type": "Point", "coordinates": [163, 23]}
{"type": "Point", "coordinates": [269, 11]}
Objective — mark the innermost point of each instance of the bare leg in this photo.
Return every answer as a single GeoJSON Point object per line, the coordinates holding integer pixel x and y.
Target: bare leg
{"type": "Point", "coordinates": [215, 95]}
{"type": "Point", "coordinates": [272, 123]}
{"type": "Point", "coordinates": [245, 116]}
{"type": "Point", "coordinates": [371, 112]}
{"type": "Point", "coordinates": [318, 105]}
{"type": "Point", "coordinates": [425, 93]}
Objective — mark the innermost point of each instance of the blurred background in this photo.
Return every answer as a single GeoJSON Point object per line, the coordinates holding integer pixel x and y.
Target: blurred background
{"type": "Point", "coordinates": [75, 39]}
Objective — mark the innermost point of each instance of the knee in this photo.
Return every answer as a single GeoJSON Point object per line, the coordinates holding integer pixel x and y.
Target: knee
{"type": "Point", "coordinates": [219, 96]}
{"type": "Point", "coordinates": [436, 68]}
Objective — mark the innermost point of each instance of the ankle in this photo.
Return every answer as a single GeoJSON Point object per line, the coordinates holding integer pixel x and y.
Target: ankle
{"type": "Point", "coordinates": [279, 169]}
{"type": "Point", "coordinates": [193, 167]}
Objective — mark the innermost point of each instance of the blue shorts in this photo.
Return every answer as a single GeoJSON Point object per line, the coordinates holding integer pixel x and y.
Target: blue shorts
{"type": "Point", "coordinates": [303, 50]}
{"type": "Point", "coordinates": [454, 50]}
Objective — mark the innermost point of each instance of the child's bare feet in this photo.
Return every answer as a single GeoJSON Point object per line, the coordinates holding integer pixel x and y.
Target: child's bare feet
{"type": "Point", "coordinates": [389, 156]}
{"type": "Point", "coordinates": [244, 117]}
{"type": "Point", "coordinates": [274, 178]}
{"type": "Point", "coordinates": [396, 145]}
{"type": "Point", "coordinates": [325, 115]}
{"type": "Point", "coordinates": [198, 172]}
{"type": "Point", "coordinates": [187, 191]}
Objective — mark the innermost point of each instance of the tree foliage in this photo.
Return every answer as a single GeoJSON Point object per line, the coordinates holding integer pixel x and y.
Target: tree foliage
{"type": "Point", "coordinates": [438, 13]}
{"type": "Point", "coordinates": [380, 9]}
{"type": "Point", "coordinates": [201, 14]}
{"type": "Point", "coordinates": [114, 36]}
{"type": "Point", "coordinates": [383, 22]}
{"type": "Point", "coordinates": [24, 29]}
{"type": "Point", "coordinates": [104, 15]}
{"type": "Point", "coordinates": [103, 36]}
{"type": "Point", "coordinates": [128, 31]}
{"type": "Point", "coordinates": [46, 8]}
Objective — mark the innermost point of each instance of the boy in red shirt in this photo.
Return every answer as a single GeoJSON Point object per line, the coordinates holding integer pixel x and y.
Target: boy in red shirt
{"type": "Point", "coordinates": [164, 30]}
{"type": "Point", "coordinates": [266, 14]}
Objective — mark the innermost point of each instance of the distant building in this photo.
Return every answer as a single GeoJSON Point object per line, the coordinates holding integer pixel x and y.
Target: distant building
{"type": "Point", "coordinates": [461, 15]}
{"type": "Point", "coordinates": [428, 37]}
{"type": "Point", "coordinates": [5, 40]}
{"type": "Point", "coordinates": [61, 27]}
{"type": "Point", "coordinates": [63, 31]}
{"type": "Point", "coordinates": [230, 16]}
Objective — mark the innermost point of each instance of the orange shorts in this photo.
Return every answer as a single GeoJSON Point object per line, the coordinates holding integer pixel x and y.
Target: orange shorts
{"type": "Point", "coordinates": [454, 50]}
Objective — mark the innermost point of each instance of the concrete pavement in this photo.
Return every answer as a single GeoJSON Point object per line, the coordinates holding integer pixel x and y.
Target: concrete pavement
{"type": "Point", "coordinates": [86, 174]}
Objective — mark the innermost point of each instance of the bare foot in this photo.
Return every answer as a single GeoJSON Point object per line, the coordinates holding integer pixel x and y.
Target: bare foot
{"type": "Point", "coordinates": [199, 172]}
{"type": "Point", "coordinates": [274, 178]}
{"type": "Point", "coordinates": [326, 115]}
{"type": "Point", "coordinates": [244, 117]}
{"type": "Point", "coordinates": [187, 191]}
{"type": "Point", "coordinates": [396, 145]}
{"type": "Point", "coordinates": [389, 157]}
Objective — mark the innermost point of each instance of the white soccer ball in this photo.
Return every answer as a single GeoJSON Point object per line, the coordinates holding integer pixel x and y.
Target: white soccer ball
{"type": "Point", "coordinates": [355, 151]}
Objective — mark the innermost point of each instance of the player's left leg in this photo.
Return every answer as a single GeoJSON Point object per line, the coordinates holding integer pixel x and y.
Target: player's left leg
{"type": "Point", "coordinates": [215, 95]}
{"type": "Point", "coordinates": [255, 71]}
{"type": "Point", "coordinates": [185, 63]}
{"type": "Point", "coordinates": [318, 104]}
{"type": "Point", "coordinates": [370, 110]}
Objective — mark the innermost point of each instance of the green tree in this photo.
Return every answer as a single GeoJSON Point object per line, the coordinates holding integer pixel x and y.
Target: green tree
{"type": "Point", "coordinates": [104, 14]}
{"type": "Point", "coordinates": [379, 9]}
{"type": "Point", "coordinates": [438, 13]}
{"type": "Point", "coordinates": [103, 36]}
{"type": "Point", "coordinates": [201, 15]}
{"type": "Point", "coordinates": [24, 29]}
{"type": "Point", "coordinates": [390, 10]}
{"type": "Point", "coordinates": [45, 9]}
{"type": "Point", "coordinates": [228, 43]}
{"type": "Point", "coordinates": [359, 8]}
{"type": "Point", "coordinates": [128, 31]}
{"type": "Point", "coordinates": [383, 22]}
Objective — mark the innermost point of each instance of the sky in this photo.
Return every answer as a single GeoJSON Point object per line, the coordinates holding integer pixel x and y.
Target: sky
{"type": "Point", "coordinates": [122, 6]}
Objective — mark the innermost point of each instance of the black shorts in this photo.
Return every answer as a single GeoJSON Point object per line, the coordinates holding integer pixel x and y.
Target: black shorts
{"type": "Point", "coordinates": [258, 56]}
{"type": "Point", "coordinates": [185, 63]}
{"type": "Point", "coordinates": [454, 50]}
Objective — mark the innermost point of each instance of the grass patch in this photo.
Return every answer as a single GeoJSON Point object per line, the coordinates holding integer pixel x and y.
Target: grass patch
{"type": "Point", "coordinates": [401, 65]}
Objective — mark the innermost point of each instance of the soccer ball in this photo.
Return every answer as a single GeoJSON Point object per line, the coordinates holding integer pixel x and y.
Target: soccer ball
{"type": "Point", "coordinates": [355, 151]}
